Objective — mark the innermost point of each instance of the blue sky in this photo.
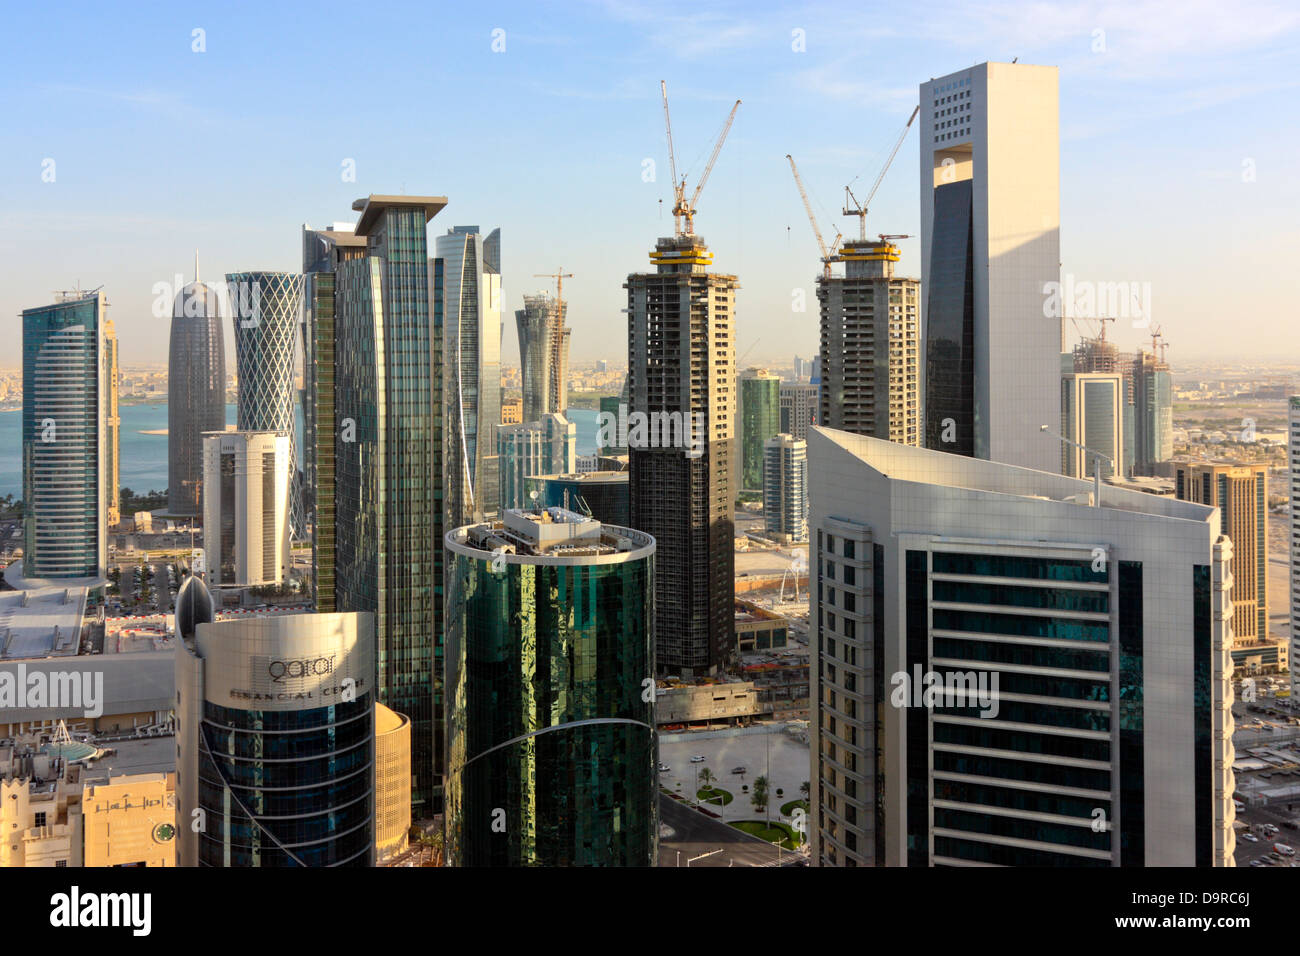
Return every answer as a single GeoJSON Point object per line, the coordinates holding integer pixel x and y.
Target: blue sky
{"type": "Point", "coordinates": [159, 150]}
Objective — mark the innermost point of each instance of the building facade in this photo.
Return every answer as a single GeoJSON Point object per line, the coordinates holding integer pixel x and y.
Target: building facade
{"type": "Point", "coordinates": [602, 495]}
{"type": "Point", "coordinates": [1240, 492]}
{"type": "Point", "coordinates": [246, 508]}
{"type": "Point", "coordinates": [1293, 463]}
{"type": "Point", "coordinates": [1006, 675]}
{"type": "Point", "coordinates": [112, 426]}
{"type": "Point", "coordinates": [392, 783]}
{"type": "Point", "coordinates": [1092, 414]}
{"type": "Point", "coordinates": [1153, 408]}
{"type": "Point", "coordinates": [798, 408]}
{"type": "Point", "coordinates": [543, 355]}
{"type": "Point", "coordinates": [276, 741]}
{"type": "Point", "coordinates": [196, 392]}
{"type": "Point", "coordinates": [682, 365]}
{"type": "Point", "coordinates": [990, 249]}
{"type": "Point", "coordinates": [266, 308]}
{"type": "Point", "coordinates": [472, 377]}
{"type": "Point", "coordinates": [388, 477]}
{"type": "Point", "coordinates": [785, 489]}
{"type": "Point", "coordinates": [550, 734]}
{"type": "Point", "coordinates": [543, 447]}
{"type": "Point", "coordinates": [65, 456]}
{"type": "Point", "coordinates": [870, 346]}
{"type": "Point", "coordinates": [760, 418]}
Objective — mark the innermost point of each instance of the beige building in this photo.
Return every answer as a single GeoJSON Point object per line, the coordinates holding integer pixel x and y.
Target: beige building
{"type": "Point", "coordinates": [1240, 492]}
{"type": "Point", "coordinates": [392, 783]}
{"type": "Point", "coordinates": [512, 411]}
{"type": "Point", "coordinates": [59, 814]}
{"type": "Point", "coordinates": [130, 820]}
{"type": "Point", "coordinates": [679, 703]}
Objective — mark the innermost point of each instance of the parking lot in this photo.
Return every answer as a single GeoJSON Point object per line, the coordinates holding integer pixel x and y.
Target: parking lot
{"type": "Point", "coordinates": [782, 758]}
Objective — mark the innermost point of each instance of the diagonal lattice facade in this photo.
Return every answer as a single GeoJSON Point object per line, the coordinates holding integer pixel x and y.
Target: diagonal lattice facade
{"type": "Point", "coordinates": [266, 308]}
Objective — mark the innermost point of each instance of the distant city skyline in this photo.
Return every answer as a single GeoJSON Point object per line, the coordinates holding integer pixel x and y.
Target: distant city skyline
{"type": "Point", "coordinates": [1138, 83]}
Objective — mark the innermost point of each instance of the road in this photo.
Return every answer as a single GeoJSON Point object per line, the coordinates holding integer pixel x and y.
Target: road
{"type": "Point", "coordinates": [694, 834]}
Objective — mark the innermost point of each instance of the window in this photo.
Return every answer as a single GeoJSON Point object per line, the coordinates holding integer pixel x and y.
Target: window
{"type": "Point", "coordinates": [40, 820]}
{"type": "Point", "coordinates": [60, 862]}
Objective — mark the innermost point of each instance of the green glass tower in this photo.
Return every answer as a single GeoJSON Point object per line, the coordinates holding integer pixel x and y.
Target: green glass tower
{"type": "Point", "coordinates": [760, 418]}
{"type": "Point", "coordinates": [387, 464]}
{"type": "Point", "coordinates": [551, 745]}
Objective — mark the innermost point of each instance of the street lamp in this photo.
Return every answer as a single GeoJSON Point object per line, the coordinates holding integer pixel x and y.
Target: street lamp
{"type": "Point", "coordinates": [1096, 462]}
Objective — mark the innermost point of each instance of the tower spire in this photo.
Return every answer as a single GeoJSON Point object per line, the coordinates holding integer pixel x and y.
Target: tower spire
{"type": "Point", "coordinates": [196, 265]}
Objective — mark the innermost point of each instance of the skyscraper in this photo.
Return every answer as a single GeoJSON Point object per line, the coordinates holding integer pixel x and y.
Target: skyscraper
{"type": "Point", "coordinates": [1007, 676]}
{"type": "Point", "coordinates": [323, 250]}
{"type": "Point", "coordinates": [1240, 492]}
{"type": "Point", "coordinates": [550, 735]}
{"type": "Point", "coordinates": [112, 426]}
{"type": "Point", "coordinates": [275, 738]}
{"type": "Point", "coordinates": [267, 309]}
{"type": "Point", "coordinates": [388, 475]}
{"type": "Point", "coordinates": [798, 408]}
{"type": "Point", "coordinates": [472, 362]}
{"type": "Point", "coordinates": [543, 447]}
{"type": "Point", "coordinates": [1098, 355]}
{"type": "Point", "coordinates": [196, 392]}
{"type": "Point", "coordinates": [990, 246]}
{"type": "Point", "coordinates": [1153, 405]}
{"type": "Point", "coordinates": [760, 419]}
{"type": "Point", "coordinates": [245, 507]}
{"type": "Point", "coordinates": [65, 459]}
{"type": "Point", "coordinates": [543, 355]}
{"type": "Point", "coordinates": [682, 367]}
{"type": "Point", "coordinates": [1092, 412]}
{"type": "Point", "coordinates": [870, 345]}
{"type": "Point", "coordinates": [785, 489]}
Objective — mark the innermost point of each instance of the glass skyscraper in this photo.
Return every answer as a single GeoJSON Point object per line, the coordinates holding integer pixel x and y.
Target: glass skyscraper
{"type": "Point", "coordinates": [196, 392]}
{"type": "Point", "coordinates": [387, 459]}
{"type": "Point", "coordinates": [760, 418]}
{"type": "Point", "coordinates": [550, 668]}
{"type": "Point", "coordinates": [65, 458]}
{"type": "Point", "coordinates": [472, 327]}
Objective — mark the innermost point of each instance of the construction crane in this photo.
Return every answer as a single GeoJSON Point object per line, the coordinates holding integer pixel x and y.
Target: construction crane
{"type": "Point", "coordinates": [681, 208]}
{"type": "Point", "coordinates": [557, 339]}
{"type": "Point", "coordinates": [1155, 336]}
{"type": "Point", "coordinates": [559, 278]}
{"type": "Point", "coordinates": [828, 255]}
{"type": "Point", "coordinates": [860, 208]}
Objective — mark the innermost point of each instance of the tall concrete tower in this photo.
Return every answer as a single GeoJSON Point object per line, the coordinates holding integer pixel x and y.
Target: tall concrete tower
{"type": "Point", "coordinates": [870, 346]}
{"type": "Point", "coordinates": [682, 371]}
{"type": "Point", "coordinates": [543, 355]}
{"type": "Point", "coordinates": [990, 244]}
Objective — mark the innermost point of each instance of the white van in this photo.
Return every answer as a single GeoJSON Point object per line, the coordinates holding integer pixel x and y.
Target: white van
{"type": "Point", "coordinates": [1284, 849]}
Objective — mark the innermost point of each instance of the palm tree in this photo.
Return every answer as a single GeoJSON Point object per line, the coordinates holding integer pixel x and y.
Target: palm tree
{"type": "Point", "coordinates": [706, 777]}
{"type": "Point", "coordinates": [759, 799]}
{"type": "Point", "coordinates": [805, 789]}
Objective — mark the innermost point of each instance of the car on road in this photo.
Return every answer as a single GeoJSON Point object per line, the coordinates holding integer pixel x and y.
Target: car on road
{"type": "Point", "coordinates": [697, 758]}
{"type": "Point", "coordinates": [664, 768]}
{"type": "Point", "coordinates": [741, 770]}
{"type": "Point", "coordinates": [1250, 838]}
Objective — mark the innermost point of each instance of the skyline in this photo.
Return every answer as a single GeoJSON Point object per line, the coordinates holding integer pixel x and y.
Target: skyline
{"type": "Point", "coordinates": [1159, 130]}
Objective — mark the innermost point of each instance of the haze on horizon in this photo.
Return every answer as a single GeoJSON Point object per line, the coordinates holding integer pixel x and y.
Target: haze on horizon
{"type": "Point", "coordinates": [1176, 151]}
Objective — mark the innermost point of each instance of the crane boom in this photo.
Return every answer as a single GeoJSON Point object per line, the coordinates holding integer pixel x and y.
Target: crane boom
{"type": "Point", "coordinates": [713, 157]}
{"type": "Point", "coordinates": [860, 208]}
{"type": "Point", "coordinates": [672, 157]}
{"type": "Point", "coordinates": [812, 219]}
{"type": "Point", "coordinates": [681, 208]}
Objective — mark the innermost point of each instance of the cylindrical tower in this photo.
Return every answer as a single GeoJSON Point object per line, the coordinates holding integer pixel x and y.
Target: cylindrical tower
{"type": "Point", "coordinates": [196, 392]}
{"type": "Point", "coordinates": [550, 693]}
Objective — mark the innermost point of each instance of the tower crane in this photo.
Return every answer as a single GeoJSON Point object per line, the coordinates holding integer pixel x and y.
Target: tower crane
{"type": "Point", "coordinates": [828, 255]}
{"type": "Point", "coordinates": [681, 208]}
{"type": "Point", "coordinates": [860, 208]}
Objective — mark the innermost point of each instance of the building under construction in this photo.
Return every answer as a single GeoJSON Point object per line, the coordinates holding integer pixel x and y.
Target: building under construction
{"type": "Point", "coordinates": [682, 364]}
{"type": "Point", "coordinates": [870, 345]}
{"type": "Point", "coordinates": [543, 355]}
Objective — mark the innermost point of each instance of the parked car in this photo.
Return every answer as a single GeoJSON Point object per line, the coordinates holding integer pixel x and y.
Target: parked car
{"type": "Point", "coordinates": [1250, 838]}
{"type": "Point", "coordinates": [698, 758]}
{"type": "Point", "coordinates": [664, 768]}
{"type": "Point", "coordinates": [740, 770]}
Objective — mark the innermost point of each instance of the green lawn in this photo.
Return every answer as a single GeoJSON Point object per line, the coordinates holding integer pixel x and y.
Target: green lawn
{"type": "Point", "coordinates": [789, 808]}
{"type": "Point", "coordinates": [714, 795]}
{"type": "Point", "coordinates": [771, 833]}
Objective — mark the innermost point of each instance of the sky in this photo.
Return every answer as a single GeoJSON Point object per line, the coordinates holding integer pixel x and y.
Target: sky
{"type": "Point", "coordinates": [130, 141]}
